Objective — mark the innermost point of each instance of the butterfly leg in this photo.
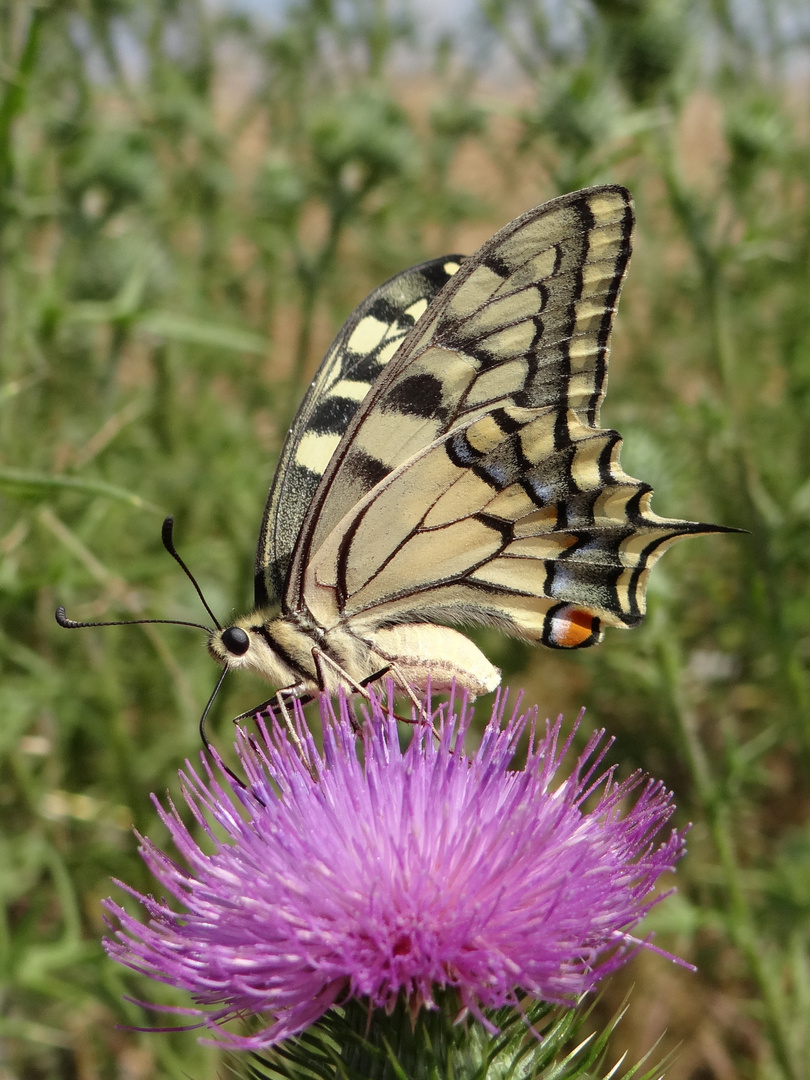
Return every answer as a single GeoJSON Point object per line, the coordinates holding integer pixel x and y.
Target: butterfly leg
{"type": "Point", "coordinates": [278, 703]}
{"type": "Point", "coordinates": [281, 704]}
{"type": "Point", "coordinates": [419, 705]}
{"type": "Point", "coordinates": [281, 697]}
{"type": "Point", "coordinates": [319, 657]}
{"type": "Point", "coordinates": [375, 677]}
{"type": "Point", "coordinates": [323, 661]}
{"type": "Point", "coordinates": [402, 681]}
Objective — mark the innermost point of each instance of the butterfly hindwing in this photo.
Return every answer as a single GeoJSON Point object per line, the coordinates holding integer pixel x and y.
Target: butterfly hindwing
{"type": "Point", "coordinates": [354, 361]}
{"type": "Point", "coordinates": [438, 540]}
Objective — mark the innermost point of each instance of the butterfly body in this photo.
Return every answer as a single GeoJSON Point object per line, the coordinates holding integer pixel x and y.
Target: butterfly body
{"type": "Point", "coordinates": [298, 655]}
{"type": "Point", "coordinates": [447, 467]}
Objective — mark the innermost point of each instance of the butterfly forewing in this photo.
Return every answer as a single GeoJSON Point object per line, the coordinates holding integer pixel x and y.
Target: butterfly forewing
{"type": "Point", "coordinates": [525, 321]}
{"type": "Point", "coordinates": [366, 343]}
{"type": "Point", "coordinates": [473, 484]}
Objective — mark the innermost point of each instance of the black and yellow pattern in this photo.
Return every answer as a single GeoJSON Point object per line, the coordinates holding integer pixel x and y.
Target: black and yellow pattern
{"type": "Point", "coordinates": [471, 483]}
{"type": "Point", "coordinates": [368, 339]}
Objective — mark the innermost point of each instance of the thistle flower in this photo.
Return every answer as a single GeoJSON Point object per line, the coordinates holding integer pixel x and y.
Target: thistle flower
{"type": "Point", "coordinates": [394, 874]}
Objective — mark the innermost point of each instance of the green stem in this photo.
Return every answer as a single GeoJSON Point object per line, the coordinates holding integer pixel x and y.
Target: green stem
{"type": "Point", "coordinates": [748, 481]}
{"type": "Point", "coordinates": [741, 920]}
{"type": "Point", "coordinates": [12, 104]}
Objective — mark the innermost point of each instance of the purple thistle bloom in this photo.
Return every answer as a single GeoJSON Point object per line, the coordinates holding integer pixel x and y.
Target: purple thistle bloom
{"type": "Point", "coordinates": [405, 872]}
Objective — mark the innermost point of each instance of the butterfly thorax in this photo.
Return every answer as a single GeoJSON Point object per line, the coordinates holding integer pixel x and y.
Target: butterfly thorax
{"type": "Point", "coordinates": [293, 652]}
{"type": "Point", "coordinates": [277, 647]}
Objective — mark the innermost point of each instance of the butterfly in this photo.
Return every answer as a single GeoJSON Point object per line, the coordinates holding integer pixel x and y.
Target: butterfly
{"type": "Point", "coordinates": [447, 468]}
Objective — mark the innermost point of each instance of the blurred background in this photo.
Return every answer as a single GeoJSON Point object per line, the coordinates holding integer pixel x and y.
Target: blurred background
{"type": "Point", "coordinates": [192, 198]}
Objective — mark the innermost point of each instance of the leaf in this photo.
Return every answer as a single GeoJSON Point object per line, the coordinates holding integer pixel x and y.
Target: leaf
{"type": "Point", "coordinates": [195, 331]}
{"type": "Point", "coordinates": [26, 484]}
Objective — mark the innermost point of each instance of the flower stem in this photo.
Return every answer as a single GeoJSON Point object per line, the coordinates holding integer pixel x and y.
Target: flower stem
{"type": "Point", "coordinates": [741, 923]}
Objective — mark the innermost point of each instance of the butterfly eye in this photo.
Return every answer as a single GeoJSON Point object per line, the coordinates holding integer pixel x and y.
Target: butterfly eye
{"type": "Point", "coordinates": [235, 640]}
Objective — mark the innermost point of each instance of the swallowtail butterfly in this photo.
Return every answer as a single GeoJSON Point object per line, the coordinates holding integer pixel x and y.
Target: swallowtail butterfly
{"type": "Point", "coordinates": [447, 467]}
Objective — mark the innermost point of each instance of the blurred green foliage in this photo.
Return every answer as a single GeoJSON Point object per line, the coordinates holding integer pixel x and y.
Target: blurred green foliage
{"type": "Point", "coordinates": [191, 201]}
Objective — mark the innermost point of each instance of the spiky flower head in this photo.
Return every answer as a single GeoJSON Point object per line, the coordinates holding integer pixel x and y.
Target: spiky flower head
{"type": "Point", "coordinates": [371, 872]}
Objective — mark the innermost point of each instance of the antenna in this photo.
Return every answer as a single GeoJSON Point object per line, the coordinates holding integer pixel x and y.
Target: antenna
{"type": "Point", "coordinates": [166, 535]}
{"type": "Point", "coordinates": [71, 624]}
{"type": "Point", "coordinates": [168, 543]}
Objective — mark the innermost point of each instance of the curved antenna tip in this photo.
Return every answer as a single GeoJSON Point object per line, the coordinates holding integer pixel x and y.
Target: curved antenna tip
{"type": "Point", "coordinates": [168, 543]}
{"type": "Point", "coordinates": [166, 535]}
{"type": "Point", "coordinates": [63, 620]}
{"type": "Point", "coordinates": [166, 532]}
{"type": "Point", "coordinates": [71, 624]}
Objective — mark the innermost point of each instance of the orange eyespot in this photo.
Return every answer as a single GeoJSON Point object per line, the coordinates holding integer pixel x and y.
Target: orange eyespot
{"type": "Point", "coordinates": [572, 628]}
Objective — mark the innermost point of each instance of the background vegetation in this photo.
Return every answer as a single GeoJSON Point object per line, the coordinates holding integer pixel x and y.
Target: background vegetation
{"type": "Point", "coordinates": [190, 203]}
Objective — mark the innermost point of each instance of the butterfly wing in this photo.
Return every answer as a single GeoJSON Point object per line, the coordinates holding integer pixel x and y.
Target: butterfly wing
{"type": "Point", "coordinates": [498, 524]}
{"type": "Point", "coordinates": [474, 484]}
{"type": "Point", "coordinates": [367, 341]}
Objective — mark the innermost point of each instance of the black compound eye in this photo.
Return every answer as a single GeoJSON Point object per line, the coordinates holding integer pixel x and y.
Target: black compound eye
{"type": "Point", "coordinates": [235, 640]}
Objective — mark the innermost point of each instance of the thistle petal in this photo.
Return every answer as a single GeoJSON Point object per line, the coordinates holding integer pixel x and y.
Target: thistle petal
{"type": "Point", "coordinates": [396, 873]}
